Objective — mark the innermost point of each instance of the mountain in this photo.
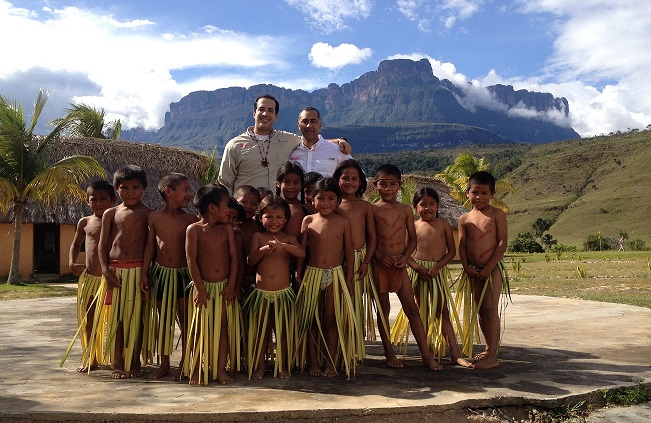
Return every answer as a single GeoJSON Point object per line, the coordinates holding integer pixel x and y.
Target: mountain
{"type": "Point", "coordinates": [401, 105]}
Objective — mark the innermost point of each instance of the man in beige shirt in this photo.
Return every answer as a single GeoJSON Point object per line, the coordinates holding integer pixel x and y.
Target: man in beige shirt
{"type": "Point", "coordinates": [254, 157]}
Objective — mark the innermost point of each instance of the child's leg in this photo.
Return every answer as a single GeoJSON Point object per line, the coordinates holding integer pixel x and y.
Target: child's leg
{"type": "Point", "coordinates": [136, 366]}
{"type": "Point", "coordinates": [182, 316]}
{"type": "Point", "coordinates": [164, 368]}
{"type": "Point", "coordinates": [312, 348]}
{"type": "Point", "coordinates": [448, 331]}
{"type": "Point", "coordinates": [406, 296]}
{"type": "Point", "coordinates": [489, 318]}
{"type": "Point", "coordinates": [281, 343]}
{"type": "Point", "coordinates": [264, 342]}
{"type": "Point", "coordinates": [222, 374]}
{"type": "Point", "coordinates": [88, 330]}
{"type": "Point", "coordinates": [331, 333]}
{"type": "Point", "coordinates": [385, 305]}
{"type": "Point", "coordinates": [118, 355]}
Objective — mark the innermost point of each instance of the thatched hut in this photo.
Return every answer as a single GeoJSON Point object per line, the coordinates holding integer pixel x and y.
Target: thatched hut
{"type": "Point", "coordinates": [48, 233]}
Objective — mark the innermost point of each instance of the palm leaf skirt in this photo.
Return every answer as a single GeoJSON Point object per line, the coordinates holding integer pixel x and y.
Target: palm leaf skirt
{"type": "Point", "coordinates": [204, 333]}
{"type": "Point", "coordinates": [260, 306]}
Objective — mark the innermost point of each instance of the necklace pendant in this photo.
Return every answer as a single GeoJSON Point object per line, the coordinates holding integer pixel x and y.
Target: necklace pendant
{"type": "Point", "coordinates": [265, 163]}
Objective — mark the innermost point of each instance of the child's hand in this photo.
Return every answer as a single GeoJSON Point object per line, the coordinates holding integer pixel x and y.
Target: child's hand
{"type": "Point", "coordinates": [388, 261]}
{"type": "Point", "coordinates": [228, 294]}
{"type": "Point", "coordinates": [484, 274]}
{"type": "Point", "coordinates": [200, 297]}
{"type": "Point", "coordinates": [401, 262]}
{"type": "Point", "coordinates": [362, 271]}
{"type": "Point", "coordinates": [111, 279]}
{"type": "Point", "coordinates": [433, 272]}
{"type": "Point", "coordinates": [423, 273]}
{"type": "Point", "coordinates": [77, 268]}
{"type": "Point", "coordinates": [144, 283]}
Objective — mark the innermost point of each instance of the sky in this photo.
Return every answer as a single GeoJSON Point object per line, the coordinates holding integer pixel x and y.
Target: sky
{"type": "Point", "coordinates": [134, 58]}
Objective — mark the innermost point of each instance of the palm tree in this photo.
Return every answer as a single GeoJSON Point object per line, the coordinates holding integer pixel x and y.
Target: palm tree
{"type": "Point", "coordinates": [457, 174]}
{"type": "Point", "coordinates": [25, 175]}
{"type": "Point", "coordinates": [83, 120]}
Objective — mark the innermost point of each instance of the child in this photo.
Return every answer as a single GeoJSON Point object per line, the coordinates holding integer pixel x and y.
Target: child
{"type": "Point", "coordinates": [121, 249]}
{"type": "Point", "coordinates": [264, 192]}
{"type": "Point", "coordinates": [308, 184]}
{"type": "Point", "coordinates": [352, 183]}
{"type": "Point", "coordinates": [236, 214]}
{"type": "Point", "coordinates": [272, 302]}
{"type": "Point", "coordinates": [394, 223]}
{"type": "Point", "coordinates": [434, 250]}
{"type": "Point", "coordinates": [249, 198]}
{"type": "Point", "coordinates": [289, 185]}
{"type": "Point", "coordinates": [212, 259]}
{"type": "Point", "coordinates": [168, 278]}
{"type": "Point", "coordinates": [101, 196]}
{"type": "Point", "coordinates": [482, 243]}
{"type": "Point", "coordinates": [324, 283]}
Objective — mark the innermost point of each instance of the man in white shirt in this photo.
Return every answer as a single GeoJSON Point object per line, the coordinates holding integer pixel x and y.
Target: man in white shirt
{"type": "Point", "coordinates": [314, 153]}
{"type": "Point", "coordinates": [254, 157]}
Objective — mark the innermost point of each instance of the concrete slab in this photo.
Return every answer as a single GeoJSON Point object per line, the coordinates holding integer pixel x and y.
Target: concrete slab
{"type": "Point", "coordinates": [552, 349]}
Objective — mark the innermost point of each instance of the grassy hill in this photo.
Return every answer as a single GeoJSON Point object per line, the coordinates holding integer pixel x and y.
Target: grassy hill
{"type": "Point", "coordinates": [584, 185]}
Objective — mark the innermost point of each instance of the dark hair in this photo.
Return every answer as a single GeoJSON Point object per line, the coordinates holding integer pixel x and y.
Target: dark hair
{"type": "Point", "coordinates": [327, 184]}
{"type": "Point", "coordinates": [362, 176]}
{"type": "Point", "coordinates": [207, 195]}
{"type": "Point", "coordinates": [388, 170]}
{"type": "Point", "coordinates": [426, 192]}
{"type": "Point", "coordinates": [172, 180]}
{"type": "Point", "coordinates": [127, 173]}
{"type": "Point", "coordinates": [482, 178]}
{"type": "Point", "coordinates": [242, 190]}
{"type": "Point", "coordinates": [273, 202]}
{"type": "Point", "coordinates": [233, 204]}
{"type": "Point", "coordinates": [287, 169]}
{"type": "Point", "coordinates": [101, 185]}
{"type": "Point", "coordinates": [310, 109]}
{"type": "Point", "coordinates": [264, 192]}
{"type": "Point", "coordinates": [270, 97]}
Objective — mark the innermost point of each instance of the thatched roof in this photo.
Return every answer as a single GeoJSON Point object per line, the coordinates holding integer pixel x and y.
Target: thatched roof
{"type": "Point", "coordinates": [155, 160]}
{"type": "Point", "coordinates": [449, 208]}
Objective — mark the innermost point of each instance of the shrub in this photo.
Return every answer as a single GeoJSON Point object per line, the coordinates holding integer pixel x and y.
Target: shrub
{"type": "Point", "coordinates": [525, 243]}
{"type": "Point", "coordinates": [637, 245]}
{"type": "Point", "coordinates": [562, 248]}
{"type": "Point", "coordinates": [597, 243]}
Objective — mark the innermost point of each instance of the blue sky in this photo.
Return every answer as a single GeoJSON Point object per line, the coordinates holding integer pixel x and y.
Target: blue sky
{"type": "Point", "coordinates": [132, 58]}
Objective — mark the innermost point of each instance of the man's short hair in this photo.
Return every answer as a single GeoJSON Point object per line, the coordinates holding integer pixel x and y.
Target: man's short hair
{"type": "Point", "coordinates": [101, 185]}
{"type": "Point", "coordinates": [309, 109]}
{"type": "Point", "coordinates": [242, 190]}
{"type": "Point", "coordinates": [172, 180]}
{"type": "Point", "coordinates": [128, 173]}
{"type": "Point", "coordinates": [482, 178]}
{"type": "Point", "coordinates": [270, 97]}
{"type": "Point", "coordinates": [388, 170]}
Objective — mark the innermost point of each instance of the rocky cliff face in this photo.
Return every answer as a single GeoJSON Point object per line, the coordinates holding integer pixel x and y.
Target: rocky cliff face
{"type": "Point", "coordinates": [400, 92]}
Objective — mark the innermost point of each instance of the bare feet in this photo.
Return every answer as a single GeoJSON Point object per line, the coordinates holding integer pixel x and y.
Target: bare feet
{"type": "Point", "coordinates": [224, 378]}
{"type": "Point", "coordinates": [86, 369]}
{"type": "Point", "coordinates": [432, 364]}
{"type": "Point", "coordinates": [284, 375]}
{"type": "Point", "coordinates": [194, 378]}
{"type": "Point", "coordinates": [315, 371]}
{"type": "Point", "coordinates": [329, 372]}
{"type": "Point", "coordinates": [394, 363]}
{"type": "Point", "coordinates": [136, 371]}
{"type": "Point", "coordinates": [481, 355]}
{"type": "Point", "coordinates": [460, 361]}
{"type": "Point", "coordinates": [487, 362]}
{"type": "Point", "coordinates": [119, 374]}
{"type": "Point", "coordinates": [259, 373]}
{"type": "Point", "coordinates": [162, 371]}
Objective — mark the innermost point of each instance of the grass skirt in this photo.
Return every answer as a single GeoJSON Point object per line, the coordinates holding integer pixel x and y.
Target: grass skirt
{"type": "Point", "coordinates": [466, 307]}
{"type": "Point", "coordinates": [204, 334]}
{"type": "Point", "coordinates": [259, 310]}
{"type": "Point", "coordinates": [429, 296]}
{"type": "Point", "coordinates": [307, 307]}
{"type": "Point", "coordinates": [366, 304]}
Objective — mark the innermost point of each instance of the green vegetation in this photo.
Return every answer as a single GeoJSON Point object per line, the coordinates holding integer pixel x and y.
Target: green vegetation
{"type": "Point", "coordinates": [86, 121]}
{"type": "Point", "coordinates": [627, 396]}
{"type": "Point", "coordinates": [36, 290]}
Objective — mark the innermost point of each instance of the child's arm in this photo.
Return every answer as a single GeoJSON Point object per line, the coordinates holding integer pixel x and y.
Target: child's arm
{"type": "Point", "coordinates": [422, 272]}
{"type": "Point", "coordinates": [75, 248]}
{"type": "Point", "coordinates": [371, 241]}
{"type": "Point", "coordinates": [104, 248]}
{"type": "Point", "coordinates": [191, 242]}
{"type": "Point", "coordinates": [411, 238]}
{"type": "Point", "coordinates": [229, 291]}
{"type": "Point", "coordinates": [500, 249]}
{"type": "Point", "coordinates": [452, 251]}
{"type": "Point", "coordinates": [292, 247]}
{"type": "Point", "coordinates": [303, 241]}
{"type": "Point", "coordinates": [148, 255]}
{"type": "Point", "coordinates": [257, 251]}
{"type": "Point", "coordinates": [463, 248]}
{"type": "Point", "coordinates": [241, 262]}
{"type": "Point", "coordinates": [350, 256]}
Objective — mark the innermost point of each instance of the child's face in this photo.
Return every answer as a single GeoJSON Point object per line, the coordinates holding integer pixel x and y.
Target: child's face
{"type": "Point", "coordinates": [250, 203]}
{"type": "Point", "coordinates": [131, 192]}
{"type": "Point", "coordinates": [308, 193]}
{"type": "Point", "coordinates": [480, 196]}
{"type": "Point", "coordinates": [273, 219]}
{"type": "Point", "coordinates": [232, 216]}
{"type": "Point", "coordinates": [181, 195]}
{"type": "Point", "coordinates": [349, 181]}
{"type": "Point", "coordinates": [325, 202]}
{"type": "Point", "coordinates": [220, 211]}
{"type": "Point", "coordinates": [99, 201]}
{"type": "Point", "coordinates": [427, 208]}
{"type": "Point", "coordinates": [388, 186]}
{"type": "Point", "coordinates": [290, 186]}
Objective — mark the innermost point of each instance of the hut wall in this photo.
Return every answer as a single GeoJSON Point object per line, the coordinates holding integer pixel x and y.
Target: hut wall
{"type": "Point", "coordinates": [66, 235]}
{"type": "Point", "coordinates": [26, 249]}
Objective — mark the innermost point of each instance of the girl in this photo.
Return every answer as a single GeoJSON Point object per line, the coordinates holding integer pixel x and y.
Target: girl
{"type": "Point", "coordinates": [352, 183]}
{"type": "Point", "coordinates": [289, 185]}
{"type": "Point", "coordinates": [430, 279]}
{"type": "Point", "coordinates": [271, 304]}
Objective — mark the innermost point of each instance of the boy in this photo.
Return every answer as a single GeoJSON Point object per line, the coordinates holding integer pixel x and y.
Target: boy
{"type": "Point", "coordinates": [101, 196]}
{"type": "Point", "coordinates": [169, 273]}
{"type": "Point", "coordinates": [482, 243]}
{"type": "Point", "coordinates": [394, 223]}
{"type": "Point", "coordinates": [212, 259]}
{"type": "Point", "coordinates": [327, 234]}
{"type": "Point", "coordinates": [249, 199]}
{"type": "Point", "coordinates": [121, 249]}
{"type": "Point", "coordinates": [271, 304]}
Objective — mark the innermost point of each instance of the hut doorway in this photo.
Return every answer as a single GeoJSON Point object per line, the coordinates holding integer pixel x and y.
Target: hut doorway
{"type": "Point", "coordinates": [46, 248]}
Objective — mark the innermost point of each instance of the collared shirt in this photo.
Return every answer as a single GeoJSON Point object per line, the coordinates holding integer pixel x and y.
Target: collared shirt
{"type": "Point", "coordinates": [323, 157]}
{"type": "Point", "coordinates": [243, 156]}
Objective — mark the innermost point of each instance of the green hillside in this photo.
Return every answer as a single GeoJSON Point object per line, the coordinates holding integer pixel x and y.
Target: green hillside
{"type": "Point", "coordinates": [585, 185]}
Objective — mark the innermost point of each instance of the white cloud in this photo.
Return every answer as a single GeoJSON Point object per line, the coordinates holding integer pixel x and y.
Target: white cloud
{"type": "Point", "coordinates": [331, 15]}
{"type": "Point", "coordinates": [448, 12]}
{"type": "Point", "coordinates": [324, 55]}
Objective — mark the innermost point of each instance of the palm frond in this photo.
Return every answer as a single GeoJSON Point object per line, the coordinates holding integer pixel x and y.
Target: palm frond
{"type": "Point", "coordinates": [8, 195]}
{"type": "Point", "coordinates": [211, 173]}
{"type": "Point", "coordinates": [41, 99]}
